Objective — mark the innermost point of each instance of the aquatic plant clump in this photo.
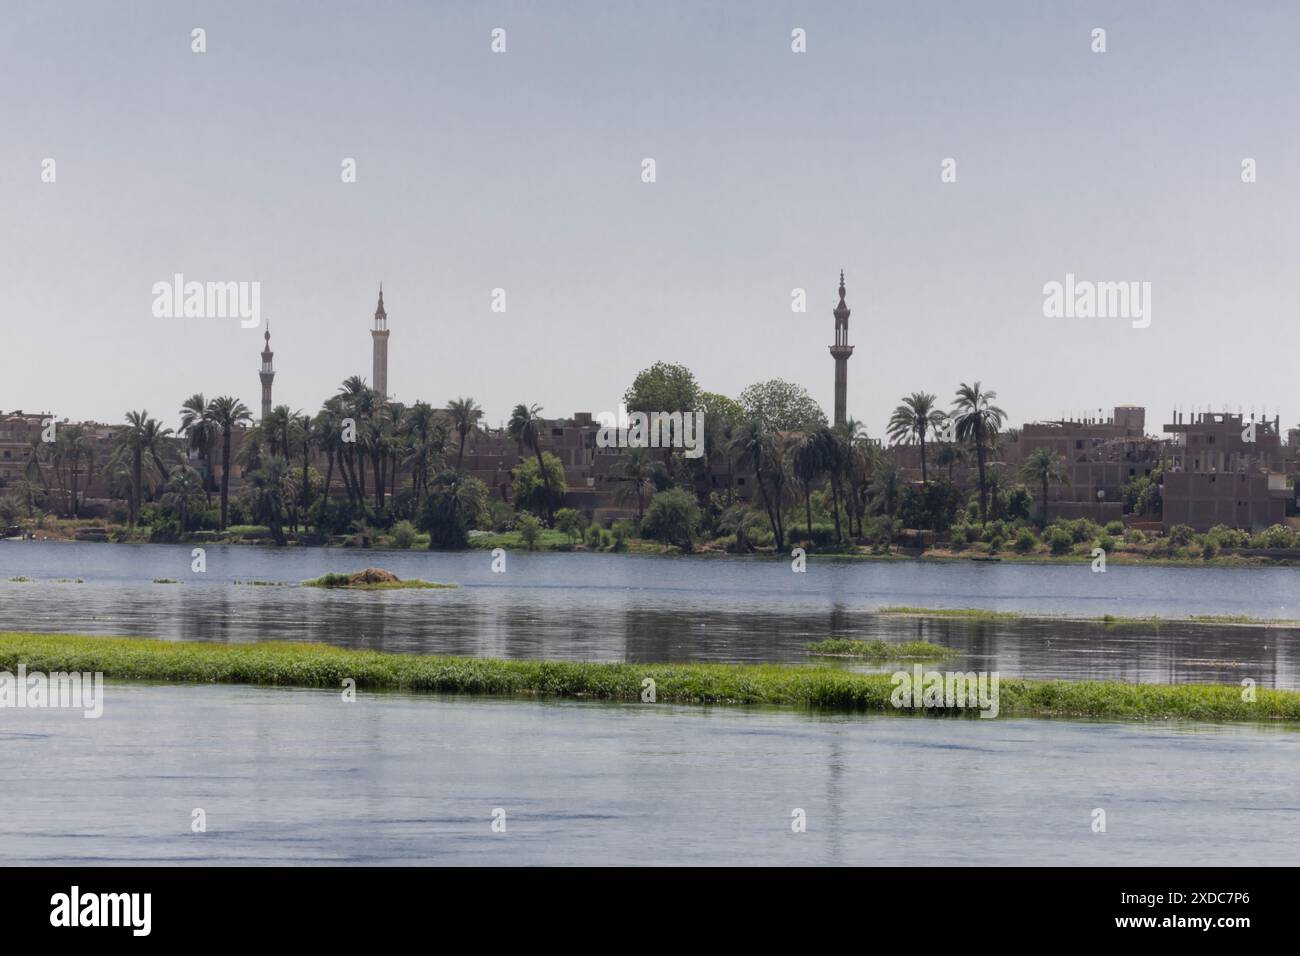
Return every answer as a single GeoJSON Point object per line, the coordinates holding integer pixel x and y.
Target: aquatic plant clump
{"type": "Point", "coordinates": [821, 688]}
{"type": "Point", "coordinates": [880, 650]}
{"type": "Point", "coordinates": [371, 579]}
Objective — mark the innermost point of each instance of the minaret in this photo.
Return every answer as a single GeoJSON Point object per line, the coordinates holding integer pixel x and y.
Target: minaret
{"type": "Point", "coordinates": [380, 335]}
{"type": "Point", "coordinates": [841, 350]}
{"type": "Point", "coordinates": [267, 373]}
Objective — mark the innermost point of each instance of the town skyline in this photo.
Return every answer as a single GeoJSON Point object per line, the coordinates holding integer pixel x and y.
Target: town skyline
{"type": "Point", "coordinates": [478, 171]}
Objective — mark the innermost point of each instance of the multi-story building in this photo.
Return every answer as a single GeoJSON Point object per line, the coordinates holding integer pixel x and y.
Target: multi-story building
{"type": "Point", "coordinates": [1100, 454]}
{"type": "Point", "coordinates": [1220, 468]}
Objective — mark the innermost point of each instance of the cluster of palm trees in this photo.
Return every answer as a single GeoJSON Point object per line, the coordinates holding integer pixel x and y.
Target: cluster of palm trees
{"type": "Point", "coordinates": [975, 422]}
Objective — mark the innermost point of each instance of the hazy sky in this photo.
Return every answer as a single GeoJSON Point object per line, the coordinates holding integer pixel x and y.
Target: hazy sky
{"type": "Point", "coordinates": [775, 170]}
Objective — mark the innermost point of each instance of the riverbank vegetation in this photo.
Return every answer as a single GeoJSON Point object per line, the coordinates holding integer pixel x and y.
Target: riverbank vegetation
{"type": "Point", "coordinates": [1105, 620]}
{"type": "Point", "coordinates": [367, 472]}
{"type": "Point", "coordinates": [811, 687]}
{"type": "Point", "coordinates": [880, 650]}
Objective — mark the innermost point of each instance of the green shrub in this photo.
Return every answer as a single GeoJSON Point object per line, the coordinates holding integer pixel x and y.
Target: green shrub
{"type": "Point", "coordinates": [673, 517]}
{"type": "Point", "coordinates": [1083, 529]}
{"type": "Point", "coordinates": [1225, 537]}
{"type": "Point", "coordinates": [403, 534]}
{"type": "Point", "coordinates": [529, 528]}
{"type": "Point", "coordinates": [1180, 535]}
{"type": "Point", "coordinates": [1026, 540]}
{"type": "Point", "coordinates": [1115, 528]}
{"type": "Point", "coordinates": [1105, 542]}
{"type": "Point", "coordinates": [1060, 540]}
{"type": "Point", "coordinates": [1209, 547]}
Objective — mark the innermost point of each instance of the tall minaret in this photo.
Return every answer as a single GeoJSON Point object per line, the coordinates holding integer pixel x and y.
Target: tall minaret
{"type": "Point", "coordinates": [841, 350]}
{"type": "Point", "coordinates": [380, 335]}
{"type": "Point", "coordinates": [267, 373]}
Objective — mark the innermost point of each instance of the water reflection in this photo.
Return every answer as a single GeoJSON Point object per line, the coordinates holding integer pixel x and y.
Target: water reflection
{"type": "Point", "coordinates": [626, 608]}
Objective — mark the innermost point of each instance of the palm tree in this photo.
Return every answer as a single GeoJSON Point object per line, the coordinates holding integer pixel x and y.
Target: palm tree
{"type": "Point", "coordinates": [638, 469]}
{"type": "Point", "coordinates": [978, 421]}
{"type": "Point", "coordinates": [185, 493]}
{"type": "Point", "coordinates": [1044, 465]}
{"type": "Point", "coordinates": [525, 427]}
{"type": "Point", "coordinates": [139, 441]}
{"type": "Point", "coordinates": [886, 486]}
{"type": "Point", "coordinates": [276, 426]}
{"type": "Point", "coordinates": [197, 428]}
{"type": "Point", "coordinates": [74, 445]}
{"type": "Point", "coordinates": [754, 447]}
{"type": "Point", "coordinates": [809, 462]}
{"type": "Point", "coordinates": [914, 418]}
{"type": "Point", "coordinates": [949, 455]}
{"type": "Point", "coordinates": [227, 412]}
{"type": "Point", "coordinates": [268, 484]}
{"type": "Point", "coordinates": [464, 417]}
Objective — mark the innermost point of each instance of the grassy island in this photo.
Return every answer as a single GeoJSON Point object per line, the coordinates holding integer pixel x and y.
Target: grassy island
{"type": "Point", "coordinates": [880, 650]}
{"type": "Point", "coordinates": [371, 579]}
{"type": "Point", "coordinates": [809, 687]}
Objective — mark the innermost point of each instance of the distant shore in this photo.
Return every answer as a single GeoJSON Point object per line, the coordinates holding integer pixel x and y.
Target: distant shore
{"type": "Point", "coordinates": [554, 541]}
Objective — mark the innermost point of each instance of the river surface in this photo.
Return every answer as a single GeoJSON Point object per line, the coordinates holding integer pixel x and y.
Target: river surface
{"type": "Point", "coordinates": [607, 607]}
{"type": "Point", "coordinates": [300, 777]}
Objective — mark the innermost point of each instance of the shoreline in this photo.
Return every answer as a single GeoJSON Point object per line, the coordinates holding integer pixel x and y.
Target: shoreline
{"type": "Point", "coordinates": [808, 687]}
{"type": "Point", "coordinates": [644, 548]}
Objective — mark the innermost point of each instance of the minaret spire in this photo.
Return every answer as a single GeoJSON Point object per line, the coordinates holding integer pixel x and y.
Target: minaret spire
{"type": "Point", "coordinates": [841, 351]}
{"type": "Point", "coordinates": [379, 337]}
{"type": "Point", "coordinates": [267, 373]}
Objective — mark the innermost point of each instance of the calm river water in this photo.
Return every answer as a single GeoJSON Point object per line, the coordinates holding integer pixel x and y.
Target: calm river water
{"type": "Point", "coordinates": [634, 608]}
{"type": "Point", "coordinates": [296, 776]}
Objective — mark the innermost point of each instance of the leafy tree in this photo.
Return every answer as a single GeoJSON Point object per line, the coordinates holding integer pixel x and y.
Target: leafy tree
{"type": "Point", "coordinates": [568, 521]}
{"type": "Point", "coordinates": [530, 530]}
{"type": "Point", "coordinates": [674, 518]}
{"type": "Point", "coordinates": [663, 387]}
{"type": "Point", "coordinates": [540, 490]}
{"type": "Point", "coordinates": [780, 406]}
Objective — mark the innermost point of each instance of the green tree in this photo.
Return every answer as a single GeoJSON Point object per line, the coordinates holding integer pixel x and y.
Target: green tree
{"type": "Point", "coordinates": [464, 419]}
{"type": "Point", "coordinates": [227, 413]}
{"type": "Point", "coordinates": [663, 387]}
{"type": "Point", "coordinates": [978, 421]}
{"type": "Point", "coordinates": [636, 471]}
{"type": "Point", "coordinates": [674, 518]}
{"type": "Point", "coordinates": [539, 487]}
{"type": "Point", "coordinates": [1045, 467]}
{"type": "Point", "coordinates": [525, 427]}
{"type": "Point", "coordinates": [913, 419]}
{"type": "Point", "coordinates": [780, 406]}
{"type": "Point", "coordinates": [185, 494]}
